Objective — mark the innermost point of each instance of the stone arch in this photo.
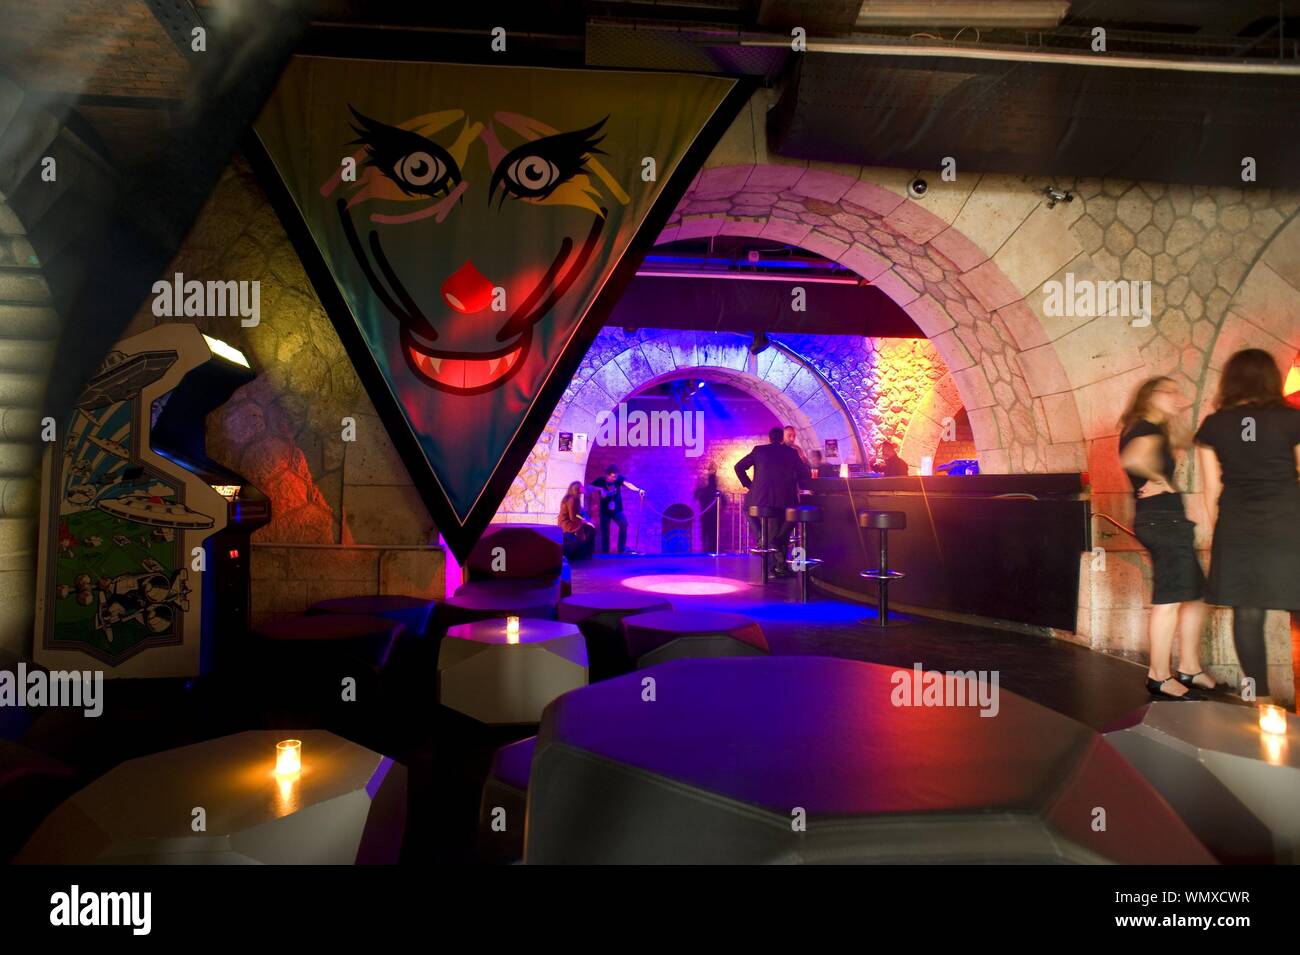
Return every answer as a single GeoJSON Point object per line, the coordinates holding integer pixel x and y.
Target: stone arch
{"type": "Point", "coordinates": [1005, 369]}
{"type": "Point", "coordinates": [1263, 313]}
{"type": "Point", "coordinates": [622, 365]}
{"type": "Point", "coordinates": [926, 428]}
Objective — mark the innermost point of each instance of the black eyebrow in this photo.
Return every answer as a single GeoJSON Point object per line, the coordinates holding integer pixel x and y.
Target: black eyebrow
{"type": "Point", "coordinates": [569, 151]}
{"type": "Point", "coordinates": [386, 144]}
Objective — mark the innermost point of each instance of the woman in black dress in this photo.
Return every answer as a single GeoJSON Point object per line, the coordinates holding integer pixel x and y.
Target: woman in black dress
{"type": "Point", "coordinates": [1149, 436]}
{"type": "Point", "coordinates": [1249, 455]}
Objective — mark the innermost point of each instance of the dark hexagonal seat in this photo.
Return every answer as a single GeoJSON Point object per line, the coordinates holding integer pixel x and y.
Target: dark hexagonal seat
{"type": "Point", "coordinates": [600, 618]}
{"type": "Point", "coordinates": [674, 634]}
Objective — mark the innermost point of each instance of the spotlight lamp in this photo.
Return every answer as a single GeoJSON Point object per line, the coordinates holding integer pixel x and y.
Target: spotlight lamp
{"type": "Point", "coordinates": [759, 344]}
{"type": "Point", "coordinates": [1055, 195]}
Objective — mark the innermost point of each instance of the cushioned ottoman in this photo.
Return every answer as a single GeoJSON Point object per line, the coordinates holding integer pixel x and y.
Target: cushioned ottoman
{"type": "Point", "coordinates": [600, 618]}
{"type": "Point", "coordinates": [506, 789]}
{"type": "Point", "coordinates": [328, 640]}
{"type": "Point", "coordinates": [652, 638]}
{"type": "Point", "coordinates": [416, 614]}
{"type": "Point", "coordinates": [489, 599]}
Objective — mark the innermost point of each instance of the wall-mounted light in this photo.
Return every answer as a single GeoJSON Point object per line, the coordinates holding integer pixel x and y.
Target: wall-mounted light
{"type": "Point", "coordinates": [760, 343]}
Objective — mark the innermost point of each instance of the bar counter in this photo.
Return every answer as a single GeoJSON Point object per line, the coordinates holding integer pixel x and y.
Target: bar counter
{"type": "Point", "coordinates": [1000, 546]}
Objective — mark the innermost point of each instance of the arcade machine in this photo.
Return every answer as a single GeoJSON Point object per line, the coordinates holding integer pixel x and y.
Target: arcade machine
{"type": "Point", "coordinates": [144, 539]}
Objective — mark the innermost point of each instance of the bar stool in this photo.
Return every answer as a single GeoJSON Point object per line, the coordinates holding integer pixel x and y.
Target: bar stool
{"type": "Point", "coordinates": [763, 514]}
{"type": "Point", "coordinates": [801, 517]}
{"type": "Point", "coordinates": [884, 522]}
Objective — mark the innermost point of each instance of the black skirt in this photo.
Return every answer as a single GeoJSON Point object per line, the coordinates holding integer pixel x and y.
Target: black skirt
{"type": "Point", "coordinates": [1255, 558]}
{"type": "Point", "coordinates": [1170, 539]}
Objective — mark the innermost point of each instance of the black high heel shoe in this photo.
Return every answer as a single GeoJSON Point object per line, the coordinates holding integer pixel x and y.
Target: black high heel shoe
{"type": "Point", "coordinates": [1189, 680]}
{"type": "Point", "coordinates": [1155, 688]}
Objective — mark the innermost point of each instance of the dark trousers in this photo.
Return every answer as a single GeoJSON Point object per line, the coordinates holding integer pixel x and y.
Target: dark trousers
{"type": "Point", "coordinates": [580, 546]}
{"type": "Point", "coordinates": [778, 536]}
{"type": "Point", "coordinates": [616, 517]}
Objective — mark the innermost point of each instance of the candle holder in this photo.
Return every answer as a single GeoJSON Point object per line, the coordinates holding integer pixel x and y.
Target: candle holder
{"type": "Point", "coordinates": [288, 757]}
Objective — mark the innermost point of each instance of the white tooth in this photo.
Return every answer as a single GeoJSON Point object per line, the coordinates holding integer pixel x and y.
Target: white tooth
{"type": "Point", "coordinates": [434, 364]}
{"type": "Point", "coordinates": [492, 366]}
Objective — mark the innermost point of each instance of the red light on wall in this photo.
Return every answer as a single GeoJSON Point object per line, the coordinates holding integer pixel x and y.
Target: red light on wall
{"type": "Point", "coordinates": [234, 555]}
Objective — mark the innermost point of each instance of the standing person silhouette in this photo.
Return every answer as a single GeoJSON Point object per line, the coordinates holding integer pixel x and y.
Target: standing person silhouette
{"type": "Point", "coordinates": [1249, 454]}
{"type": "Point", "coordinates": [611, 506]}
{"type": "Point", "coordinates": [1149, 438]}
{"type": "Point", "coordinates": [778, 474]}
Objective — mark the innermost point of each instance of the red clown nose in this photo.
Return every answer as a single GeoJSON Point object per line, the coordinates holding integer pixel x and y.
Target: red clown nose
{"type": "Point", "coordinates": [468, 290]}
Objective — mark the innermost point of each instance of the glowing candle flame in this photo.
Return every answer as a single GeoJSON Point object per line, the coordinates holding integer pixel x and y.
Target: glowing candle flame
{"type": "Point", "coordinates": [844, 469]}
{"type": "Point", "coordinates": [1272, 719]}
{"type": "Point", "coordinates": [512, 629]}
{"type": "Point", "coordinates": [288, 757]}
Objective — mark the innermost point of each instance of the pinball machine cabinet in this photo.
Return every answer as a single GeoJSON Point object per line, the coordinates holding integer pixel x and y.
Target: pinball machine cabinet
{"type": "Point", "coordinates": [144, 539]}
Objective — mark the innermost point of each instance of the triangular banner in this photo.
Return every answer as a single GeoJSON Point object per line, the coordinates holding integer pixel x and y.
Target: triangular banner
{"type": "Point", "coordinates": [471, 226]}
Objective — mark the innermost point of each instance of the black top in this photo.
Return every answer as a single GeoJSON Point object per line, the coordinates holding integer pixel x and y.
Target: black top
{"type": "Point", "coordinates": [1163, 501]}
{"type": "Point", "coordinates": [611, 498]}
{"type": "Point", "coordinates": [1255, 445]}
{"type": "Point", "coordinates": [778, 472]}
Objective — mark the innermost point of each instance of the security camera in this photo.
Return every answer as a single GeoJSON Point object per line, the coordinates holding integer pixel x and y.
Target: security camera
{"type": "Point", "coordinates": [1055, 195]}
{"type": "Point", "coordinates": [917, 187]}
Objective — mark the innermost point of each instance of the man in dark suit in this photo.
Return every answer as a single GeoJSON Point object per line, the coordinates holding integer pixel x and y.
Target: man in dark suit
{"type": "Point", "coordinates": [778, 473]}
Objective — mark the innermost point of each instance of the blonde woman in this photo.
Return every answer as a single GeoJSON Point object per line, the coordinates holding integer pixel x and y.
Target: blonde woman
{"type": "Point", "coordinates": [1150, 439]}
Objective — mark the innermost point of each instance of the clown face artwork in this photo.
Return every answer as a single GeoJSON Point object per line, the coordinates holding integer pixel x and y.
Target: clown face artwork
{"type": "Point", "coordinates": [470, 331]}
{"type": "Point", "coordinates": [470, 217]}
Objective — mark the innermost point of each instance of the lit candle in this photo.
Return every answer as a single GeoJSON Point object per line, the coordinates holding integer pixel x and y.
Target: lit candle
{"type": "Point", "coordinates": [844, 469]}
{"type": "Point", "coordinates": [288, 757]}
{"type": "Point", "coordinates": [512, 629]}
{"type": "Point", "coordinates": [1272, 719]}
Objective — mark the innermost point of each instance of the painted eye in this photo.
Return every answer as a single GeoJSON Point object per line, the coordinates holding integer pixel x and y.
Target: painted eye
{"type": "Point", "coordinates": [419, 169]}
{"type": "Point", "coordinates": [533, 175]}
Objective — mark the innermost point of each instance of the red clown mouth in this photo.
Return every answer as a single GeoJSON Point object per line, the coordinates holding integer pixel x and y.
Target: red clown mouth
{"type": "Point", "coordinates": [462, 374]}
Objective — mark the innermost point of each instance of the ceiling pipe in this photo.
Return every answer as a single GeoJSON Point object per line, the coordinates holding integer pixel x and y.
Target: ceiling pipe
{"type": "Point", "coordinates": [753, 277]}
{"type": "Point", "coordinates": [1018, 55]}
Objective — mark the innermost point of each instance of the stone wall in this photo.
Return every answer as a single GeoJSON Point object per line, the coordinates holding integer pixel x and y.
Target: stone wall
{"type": "Point", "coordinates": [284, 431]}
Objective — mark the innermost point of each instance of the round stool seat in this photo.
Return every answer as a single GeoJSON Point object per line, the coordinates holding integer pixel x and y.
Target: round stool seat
{"type": "Point", "coordinates": [673, 635]}
{"type": "Point", "coordinates": [883, 520]}
{"type": "Point", "coordinates": [804, 514]}
{"type": "Point", "coordinates": [762, 511]}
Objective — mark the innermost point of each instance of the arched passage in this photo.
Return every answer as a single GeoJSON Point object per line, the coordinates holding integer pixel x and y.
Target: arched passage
{"type": "Point", "coordinates": [1005, 369]}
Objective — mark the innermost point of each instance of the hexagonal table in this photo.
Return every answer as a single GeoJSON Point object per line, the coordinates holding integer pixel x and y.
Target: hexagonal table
{"type": "Point", "coordinates": [347, 806]}
{"type": "Point", "coordinates": [486, 674]}
{"type": "Point", "coordinates": [600, 618]}
{"type": "Point", "coordinates": [1238, 789]}
{"type": "Point", "coordinates": [807, 759]}
{"type": "Point", "coordinates": [676, 634]}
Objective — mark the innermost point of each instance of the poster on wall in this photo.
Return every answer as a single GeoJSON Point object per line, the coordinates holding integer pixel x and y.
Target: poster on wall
{"type": "Point", "coordinates": [470, 228]}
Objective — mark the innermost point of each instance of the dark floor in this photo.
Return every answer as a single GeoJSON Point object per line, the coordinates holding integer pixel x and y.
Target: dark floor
{"type": "Point", "coordinates": [448, 754]}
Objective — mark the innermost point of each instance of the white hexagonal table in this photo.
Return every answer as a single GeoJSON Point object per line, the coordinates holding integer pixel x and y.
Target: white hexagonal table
{"type": "Point", "coordinates": [346, 806]}
{"type": "Point", "coordinates": [495, 677]}
{"type": "Point", "coordinates": [1237, 788]}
